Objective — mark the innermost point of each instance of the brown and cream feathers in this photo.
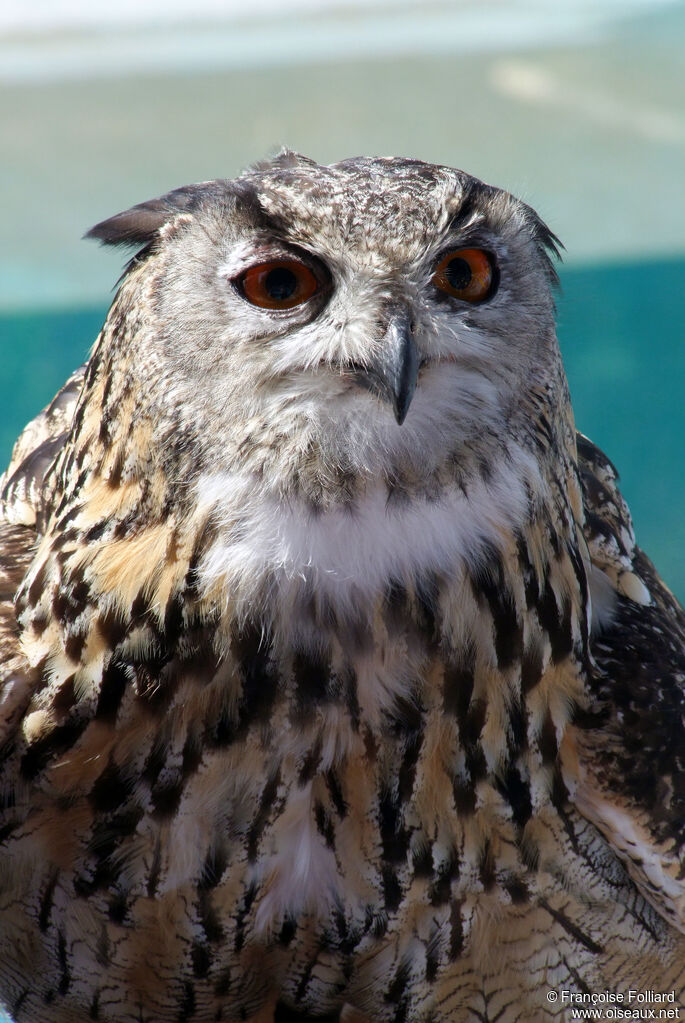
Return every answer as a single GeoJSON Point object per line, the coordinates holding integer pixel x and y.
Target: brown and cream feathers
{"type": "Point", "coordinates": [331, 673]}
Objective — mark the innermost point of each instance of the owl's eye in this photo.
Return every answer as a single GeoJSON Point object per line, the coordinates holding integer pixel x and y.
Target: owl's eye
{"type": "Point", "coordinates": [468, 274]}
{"type": "Point", "coordinates": [279, 284]}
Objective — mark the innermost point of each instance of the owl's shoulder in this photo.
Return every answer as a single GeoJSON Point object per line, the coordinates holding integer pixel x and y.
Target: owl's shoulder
{"type": "Point", "coordinates": [623, 763]}
{"type": "Point", "coordinates": [25, 503]}
{"type": "Point", "coordinates": [639, 598]}
{"type": "Point", "coordinates": [17, 545]}
{"type": "Point", "coordinates": [23, 498]}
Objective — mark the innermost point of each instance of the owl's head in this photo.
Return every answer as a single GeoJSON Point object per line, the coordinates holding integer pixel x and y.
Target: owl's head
{"type": "Point", "coordinates": [353, 318]}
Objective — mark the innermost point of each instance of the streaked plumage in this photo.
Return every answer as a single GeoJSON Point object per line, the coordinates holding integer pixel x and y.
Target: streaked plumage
{"type": "Point", "coordinates": [303, 704]}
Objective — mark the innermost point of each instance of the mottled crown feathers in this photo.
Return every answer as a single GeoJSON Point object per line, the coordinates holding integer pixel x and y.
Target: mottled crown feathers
{"type": "Point", "coordinates": [140, 224]}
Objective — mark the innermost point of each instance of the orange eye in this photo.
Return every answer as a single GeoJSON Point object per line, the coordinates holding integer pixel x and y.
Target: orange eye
{"type": "Point", "coordinates": [280, 284]}
{"type": "Point", "coordinates": [467, 274]}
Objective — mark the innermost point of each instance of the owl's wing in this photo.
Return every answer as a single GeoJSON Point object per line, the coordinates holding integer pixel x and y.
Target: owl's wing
{"type": "Point", "coordinates": [23, 503]}
{"type": "Point", "coordinates": [21, 487]}
{"type": "Point", "coordinates": [16, 679]}
{"type": "Point", "coordinates": [624, 765]}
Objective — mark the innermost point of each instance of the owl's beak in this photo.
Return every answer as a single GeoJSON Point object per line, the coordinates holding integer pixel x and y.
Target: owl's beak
{"type": "Point", "coordinates": [395, 369]}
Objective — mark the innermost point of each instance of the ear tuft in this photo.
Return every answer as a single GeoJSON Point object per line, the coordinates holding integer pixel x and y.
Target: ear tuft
{"type": "Point", "coordinates": [136, 226]}
{"type": "Point", "coordinates": [549, 246]}
{"type": "Point", "coordinates": [284, 159]}
{"type": "Point", "coordinates": [140, 224]}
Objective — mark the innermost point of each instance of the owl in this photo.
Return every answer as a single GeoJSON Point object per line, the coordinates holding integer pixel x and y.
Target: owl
{"type": "Point", "coordinates": [333, 685]}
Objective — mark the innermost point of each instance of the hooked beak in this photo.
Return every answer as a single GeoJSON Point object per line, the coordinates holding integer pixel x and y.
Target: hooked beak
{"type": "Point", "coordinates": [394, 370]}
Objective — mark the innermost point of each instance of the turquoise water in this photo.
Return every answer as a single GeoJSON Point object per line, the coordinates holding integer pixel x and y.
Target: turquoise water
{"type": "Point", "coordinates": [622, 330]}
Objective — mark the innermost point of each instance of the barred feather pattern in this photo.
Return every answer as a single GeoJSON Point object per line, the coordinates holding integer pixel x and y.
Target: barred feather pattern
{"type": "Point", "coordinates": [409, 788]}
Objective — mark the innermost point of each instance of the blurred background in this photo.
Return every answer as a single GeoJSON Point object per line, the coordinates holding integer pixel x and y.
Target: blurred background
{"type": "Point", "coordinates": [578, 106]}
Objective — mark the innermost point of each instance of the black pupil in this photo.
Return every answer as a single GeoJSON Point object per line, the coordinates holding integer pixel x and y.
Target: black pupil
{"type": "Point", "coordinates": [458, 273]}
{"type": "Point", "coordinates": [280, 283]}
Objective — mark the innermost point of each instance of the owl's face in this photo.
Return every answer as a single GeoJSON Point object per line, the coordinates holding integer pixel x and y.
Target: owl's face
{"type": "Point", "coordinates": [353, 316]}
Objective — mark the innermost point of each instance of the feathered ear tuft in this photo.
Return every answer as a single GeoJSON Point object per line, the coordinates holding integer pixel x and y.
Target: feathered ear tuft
{"type": "Point", "coordinates": [140, 224]}
{"type": "Point", "coordinates": [550, 247]}
{"type": "Point", "coordinates": [284, 159]}
{"type": "Point", "coordinates": [136, 226]}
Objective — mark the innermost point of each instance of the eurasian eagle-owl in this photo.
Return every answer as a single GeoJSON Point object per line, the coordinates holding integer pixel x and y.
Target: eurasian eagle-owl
{"type": "Point", "coordinates": [331, 673]}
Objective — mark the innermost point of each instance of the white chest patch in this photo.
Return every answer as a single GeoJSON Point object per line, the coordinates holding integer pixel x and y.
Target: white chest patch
{"type": "Point", "coordinates": [351, 553]}
{"type": "Point", "coordinates": [300, 874]}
